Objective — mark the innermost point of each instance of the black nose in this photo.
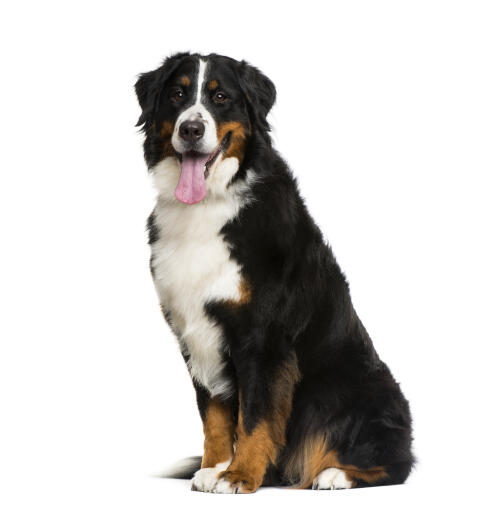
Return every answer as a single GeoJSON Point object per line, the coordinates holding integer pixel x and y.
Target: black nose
{"type": "Point", "coordinates": [191, 131]}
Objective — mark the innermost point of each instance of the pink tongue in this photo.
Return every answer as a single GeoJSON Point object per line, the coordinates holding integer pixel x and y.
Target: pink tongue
{"type": "Point", "coordinates": [191, 187]}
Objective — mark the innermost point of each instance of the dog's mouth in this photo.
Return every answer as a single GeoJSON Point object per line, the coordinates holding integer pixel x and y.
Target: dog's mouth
{"type": "Point", "coordinates": [191, 187]}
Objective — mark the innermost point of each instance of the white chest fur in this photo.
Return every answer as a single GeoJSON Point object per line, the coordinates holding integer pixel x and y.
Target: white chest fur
{"type": "Point", "coordinates": [192, 266]}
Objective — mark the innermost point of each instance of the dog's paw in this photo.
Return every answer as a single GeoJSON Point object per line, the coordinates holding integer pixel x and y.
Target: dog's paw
{"type": "Point", "coordinates": [236, 481]}
{"type": "Point", "coordinates": [331, 479]}
{"type": "Point", "coordinates": [205, 479]}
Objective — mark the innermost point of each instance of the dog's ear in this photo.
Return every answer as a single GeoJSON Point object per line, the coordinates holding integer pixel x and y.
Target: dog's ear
{"type": "Point", "coordinates": [145, 88]}
{"type": "Point", "coordinates": [150, 85]}
{"type": "Point", "coordinates": [259, 92]}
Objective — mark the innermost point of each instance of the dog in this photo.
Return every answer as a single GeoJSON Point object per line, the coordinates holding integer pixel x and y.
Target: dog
{"type": "Point", "coordinates": [290, 389]}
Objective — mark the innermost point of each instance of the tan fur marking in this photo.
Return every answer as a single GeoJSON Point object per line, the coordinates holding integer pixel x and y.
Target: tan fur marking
{"type": "Point", "coordinates": [255, 449]}
{"type": "Point", "coordinates": [237, 141]}
{"type": "Point", "coordinates": [245, 292]}
{"type": "Point", "coordinates": [213, 84]}
{"type": "Point", "coordinates": [283, 386]}
{"type": "Point", "coordinates": [369, 475]}
{"type": "Point", "coordinates": [166, 134]}
{"type": "Point", "coordinates": [166, 129]}
{"type": "Point", "coordinates": [185, 81]}
{"type": "Point", "coordinates": [313, 457]}
{"type": "Point", "coordinates": [218, 434]}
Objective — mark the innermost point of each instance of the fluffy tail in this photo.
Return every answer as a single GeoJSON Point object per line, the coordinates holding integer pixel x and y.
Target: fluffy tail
{"type": "Point", "coordinates": [183, 469]}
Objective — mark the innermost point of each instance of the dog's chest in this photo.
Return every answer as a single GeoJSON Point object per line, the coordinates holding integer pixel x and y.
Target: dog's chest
{"type": "Point", "coordinates": [192, 266]}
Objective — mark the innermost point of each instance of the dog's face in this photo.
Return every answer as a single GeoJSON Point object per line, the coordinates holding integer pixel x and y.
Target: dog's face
{"type": "Point", "coordinates": [201, 112]}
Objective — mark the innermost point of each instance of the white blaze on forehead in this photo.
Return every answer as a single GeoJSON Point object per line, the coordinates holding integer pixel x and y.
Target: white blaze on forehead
{"type": "Point", "coordinates": [200, 80]}
{"type": "Point", "coordinates": [197, 112]}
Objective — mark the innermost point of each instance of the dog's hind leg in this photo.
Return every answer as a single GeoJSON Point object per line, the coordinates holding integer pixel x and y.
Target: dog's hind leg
{"type": "Point", "coordinates": [314, 463]}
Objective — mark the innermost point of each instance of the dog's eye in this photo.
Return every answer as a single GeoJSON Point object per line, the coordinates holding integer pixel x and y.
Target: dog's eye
{"type": "Point", "coordinates": [220, 97]}
{"type": "Point", "coordinates": [177, 95]}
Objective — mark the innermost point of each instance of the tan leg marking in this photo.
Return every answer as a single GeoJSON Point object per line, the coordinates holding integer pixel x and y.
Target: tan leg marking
{"type": "Point", "coordinates": [218, 434]}
{"type": "Point", "coordinates": [252, 455]}
{"type": "Point", "coordinates": [259, 447]}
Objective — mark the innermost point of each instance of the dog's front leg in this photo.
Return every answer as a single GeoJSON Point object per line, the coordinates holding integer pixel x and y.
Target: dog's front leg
{"type": "Point", "coordinates": [265, 402]}
{"type": "Point", "coordinates": [218, 434]}
{"type": "Point", "coordinates": [219, 429]}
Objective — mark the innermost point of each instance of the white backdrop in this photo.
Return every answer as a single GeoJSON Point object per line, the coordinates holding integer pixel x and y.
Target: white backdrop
{"type": "Point", "coordinates": [385, 112]}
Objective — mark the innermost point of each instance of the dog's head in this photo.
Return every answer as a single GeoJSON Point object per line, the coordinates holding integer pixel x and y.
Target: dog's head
{"type": "Point", "coordinates": [201, 112]}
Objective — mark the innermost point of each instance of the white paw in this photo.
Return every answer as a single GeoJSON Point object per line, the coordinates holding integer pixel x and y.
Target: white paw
{"type": "Point", "coordinates": [205, 479]}
{"type": "Point", "coordinates": [224, 486]}
{"type": "Point", "coordinates": [331, 479]}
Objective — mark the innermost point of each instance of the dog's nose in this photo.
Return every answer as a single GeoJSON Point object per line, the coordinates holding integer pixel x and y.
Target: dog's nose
{"type": "Point", "coordinates": [191, 131]}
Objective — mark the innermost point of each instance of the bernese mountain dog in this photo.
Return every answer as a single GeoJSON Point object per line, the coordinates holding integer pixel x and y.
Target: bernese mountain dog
{"type": "Point", "coordinates": [289, 387]}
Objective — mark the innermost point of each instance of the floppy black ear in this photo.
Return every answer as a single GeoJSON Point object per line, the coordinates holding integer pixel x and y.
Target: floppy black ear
{"type": "Point", "coordinates": [260, 93]}
{"type": "Point", "coordinates": [145, 88]}
{"type": "Point", "coordinates": [149, 86]}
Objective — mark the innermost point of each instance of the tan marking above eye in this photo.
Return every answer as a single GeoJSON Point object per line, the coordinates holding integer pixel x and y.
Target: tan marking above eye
{"type": "Point", "coordinates": [185, 81]}
{"type": "Point", "coordinates": [213, 84]}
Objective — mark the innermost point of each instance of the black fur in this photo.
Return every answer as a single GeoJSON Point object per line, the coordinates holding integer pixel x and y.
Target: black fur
{"type": "Point", "coordinates": [300, 301]}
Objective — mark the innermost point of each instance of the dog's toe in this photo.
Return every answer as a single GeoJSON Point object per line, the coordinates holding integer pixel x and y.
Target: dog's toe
{"type": "Point", "coordinates": [236, 481]}
{"type": "Point", "coordinates": [224, 486]}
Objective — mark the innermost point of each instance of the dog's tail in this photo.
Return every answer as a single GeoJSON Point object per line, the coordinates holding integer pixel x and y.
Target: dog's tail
{"type": "Point", "coordinates": [183, 469]}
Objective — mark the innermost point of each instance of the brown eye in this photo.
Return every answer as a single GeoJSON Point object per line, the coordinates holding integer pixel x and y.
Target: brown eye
{"type": "Point", "coordinates": [177, 95]}
{"type": "Point", "coordinates": [219, 97]}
